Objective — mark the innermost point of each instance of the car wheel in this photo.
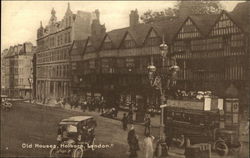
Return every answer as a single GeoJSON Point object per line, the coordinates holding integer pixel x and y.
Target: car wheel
{"type": "Point", "coordinates": [53, 152]}
{"type": "Point", "coordinates": [221, 148]}
{"type": "Point", "coordinates": [78, 153]}
{"type": "Point", "coordinates": [179, 141]}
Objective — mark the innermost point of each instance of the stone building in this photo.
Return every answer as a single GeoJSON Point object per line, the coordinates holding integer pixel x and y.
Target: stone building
{"type": "Point", "coordinates": [18, 70]}
{"type": "Point", "coordinates": [53, 69]}
{"type": "Point", "coordinates": [3, 84]}
{"type": "Point", "coordinates": [211, 50]}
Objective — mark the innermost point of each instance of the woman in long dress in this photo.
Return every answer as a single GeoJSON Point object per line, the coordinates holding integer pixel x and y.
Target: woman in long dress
{"type": "Point", "coordinates": [148, 146]}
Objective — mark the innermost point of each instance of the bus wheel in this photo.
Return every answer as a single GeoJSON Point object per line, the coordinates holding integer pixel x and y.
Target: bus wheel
{"type": "Point", "coordinates": [78, 153]}
{"type": "Point", "coordinates": [236, 149]}
{"type": "Point", "coordinates": [53, 152]}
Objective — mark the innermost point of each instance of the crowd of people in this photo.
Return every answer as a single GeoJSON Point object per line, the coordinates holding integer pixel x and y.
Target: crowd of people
{"type": "Point", "coordinates": [91, 104]}
{"type": "Point", "coordinates": [182, 94]}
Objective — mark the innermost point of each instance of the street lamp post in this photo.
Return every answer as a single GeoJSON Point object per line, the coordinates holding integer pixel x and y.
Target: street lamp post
{"type": "Point", "coordinates": [30, 82]}
{"type": "Point", "coordinates": [161, 79]}
{"type": "Point", "coordinates": [80, 84]}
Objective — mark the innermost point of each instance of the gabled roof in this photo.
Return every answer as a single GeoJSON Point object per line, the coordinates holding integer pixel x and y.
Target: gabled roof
{"type": "Point", "coordinates": [168, 27]}
{"type": "Point", "coordinates": [78, 47]}
{"type": "Point", "coordinates": [132, 35]}
{"type": "Point", "coordinates": [139, 32]}
{"type": "Point", "coordinates": [103, 41]}
{"type": "Point", "coordinates": [117, 35]}
{"type": "Point", "coordinates": [205, 22]}
{"type": "Point", "coordinates": [149, 32]}
{"type": "Point", "coordinates": [96, 41]}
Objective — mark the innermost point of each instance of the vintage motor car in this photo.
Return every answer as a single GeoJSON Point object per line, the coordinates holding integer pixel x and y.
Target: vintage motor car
{"type": "Point", "coordinates": [111, 113]}
{"type": "Point", "coordinates": [75, 135]}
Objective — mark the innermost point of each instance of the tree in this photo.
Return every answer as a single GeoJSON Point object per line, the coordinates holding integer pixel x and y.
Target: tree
{"type": "Point", "coordinates": [150, 16]}
{"type": "Point", "coordinates": [198, 7]}
{"type": "Point", "coordinates": [182, 9]}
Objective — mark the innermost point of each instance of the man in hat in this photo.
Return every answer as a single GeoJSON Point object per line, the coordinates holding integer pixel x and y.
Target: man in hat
{"type": "Point", "coordinates": [133, 143]}
{"type": "Point", "coordinates": [125, 122]}
{"type": "Point", "coordinates": [147, 123]}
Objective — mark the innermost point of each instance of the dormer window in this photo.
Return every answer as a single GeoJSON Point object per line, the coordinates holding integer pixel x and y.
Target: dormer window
{"type": "Point", "coordinates": [128, 41]}
{"type": "Point", "coordinates": [153, 41]}
{"type": "Point", "coordinates": [107, 45]}
{"type": "Point", "coordinates": [129, 44]}
{"type": "Point", "coordinates": [89, 49]}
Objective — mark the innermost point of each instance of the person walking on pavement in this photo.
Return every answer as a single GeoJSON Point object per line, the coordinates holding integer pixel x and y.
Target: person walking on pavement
{"type": "Point", "coordinates": [148, 146]}
{"type": "Point", "coordinates": [125, 122]}
{"type": "Point", "coordinates": [147, 125]}
{"type": "Point", "coordinates": [130, 116]}
{"type": "Point", "coordinates": [133, 143]}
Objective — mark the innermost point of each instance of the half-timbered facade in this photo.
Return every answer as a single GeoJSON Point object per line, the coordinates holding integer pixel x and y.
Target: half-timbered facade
{"type": "Point", "coordinates": [215, 60]}
{"type": "Point", "coordinates": [211, 51]}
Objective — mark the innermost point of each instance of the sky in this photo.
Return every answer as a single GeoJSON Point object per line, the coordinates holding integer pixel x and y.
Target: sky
{"type": "Point", "coordinates": [21, 19]}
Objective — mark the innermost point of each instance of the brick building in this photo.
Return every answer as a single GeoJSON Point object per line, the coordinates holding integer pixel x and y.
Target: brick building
{"type": "Point", "coordinates": [18, 70]}
{"type": "Point", "coordinates": [3, 80]}
{"type": "Point", "coordinates": [211, 50]}
{"type": "Point", "coordinates": [53, 77]}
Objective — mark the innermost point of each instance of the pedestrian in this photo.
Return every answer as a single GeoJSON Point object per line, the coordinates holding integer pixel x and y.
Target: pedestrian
{"type": "Point", "coordinates": [130, 116]}
{"type": "Point", "coordinates": [116, 112]}
{"type": "Point", "coordinates": [133, 143]}
{"type": "Point", "coordinates": [161, 149]}
{"type": "Point", "coordinates": [91, 105]}
{"type": "Point", "coordinates": [84, 105]}
{"type": "Point", "coordinates": [99, 106]}
{"type": "Point", "coordinates": [246, 130]}
{"type": "Point", "coordinates": [59, 135]}
{"type": "Point", "coordinates": [147, 125]}
{"type": "Point", "coordinates": [71, 102]}
{"type": "Point", "coordinates": [148, 146]}
{"type": "Point", "coordinates": [124, 122]}
{"type": "Point", "coordinates": [77, 101]}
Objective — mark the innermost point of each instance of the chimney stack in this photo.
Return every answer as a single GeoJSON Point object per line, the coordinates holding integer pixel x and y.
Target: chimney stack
{"type": "Point", "coordinates": [133, 18]}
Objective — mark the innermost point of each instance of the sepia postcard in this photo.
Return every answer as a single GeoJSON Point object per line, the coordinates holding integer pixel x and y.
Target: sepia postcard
{"type": "Point", "coordinates": [127, 79]}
